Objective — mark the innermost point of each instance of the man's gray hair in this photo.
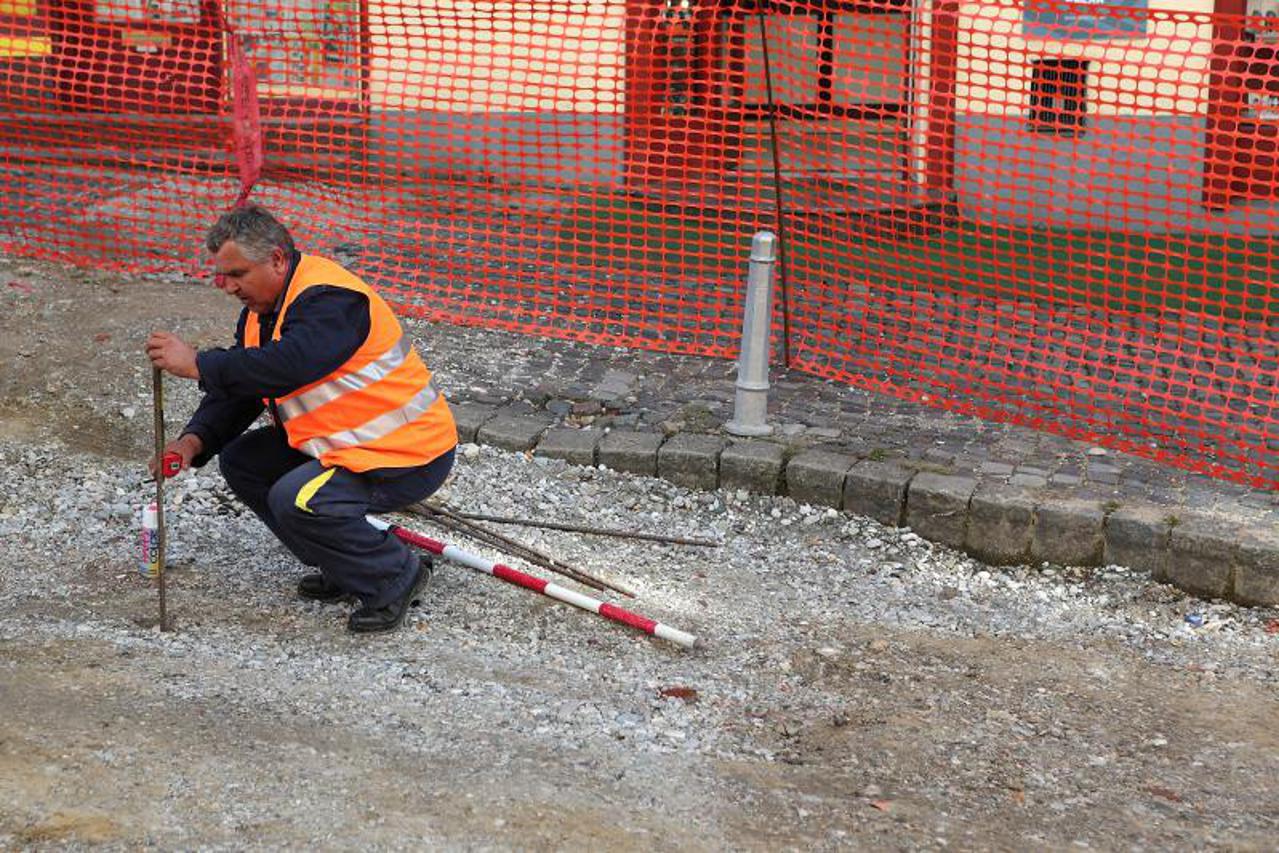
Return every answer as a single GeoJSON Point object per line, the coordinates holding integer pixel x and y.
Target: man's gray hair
{"type": "Point", "coordinates": [253, 229]}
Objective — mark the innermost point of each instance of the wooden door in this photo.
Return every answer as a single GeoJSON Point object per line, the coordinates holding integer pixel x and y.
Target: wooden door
{"type": "Point", "coordinates": [840, 88]}
{"type": "Point", "coordinates": [678, 125]}
{"type": "Point", "coordinates": [1241, 160]}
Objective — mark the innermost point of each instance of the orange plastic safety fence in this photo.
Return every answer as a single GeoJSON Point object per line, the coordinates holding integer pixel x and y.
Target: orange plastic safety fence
{"type": "Point", "coordinates": [1057, 214]}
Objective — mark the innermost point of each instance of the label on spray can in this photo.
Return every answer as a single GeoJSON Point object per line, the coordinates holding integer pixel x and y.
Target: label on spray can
{"type": "Point", "coordinates": [150, 565]}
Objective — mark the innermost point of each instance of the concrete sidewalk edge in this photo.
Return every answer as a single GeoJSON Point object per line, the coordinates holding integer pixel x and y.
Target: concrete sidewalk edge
{"type": "Point", "coordinates": [1206, 554]}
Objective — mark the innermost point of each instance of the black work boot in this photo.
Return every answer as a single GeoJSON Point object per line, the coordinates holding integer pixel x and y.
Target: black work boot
{"type": "Point", "coordinates": [366, 620]}
{"type": "Point", "coordinates": [316, 588]}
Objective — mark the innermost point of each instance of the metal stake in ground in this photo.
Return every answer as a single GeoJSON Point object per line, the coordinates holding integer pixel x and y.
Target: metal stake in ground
{"type": "Point", "coordinates": [545, 587]}
{"type": "Point", "coordinates": [157, 404]}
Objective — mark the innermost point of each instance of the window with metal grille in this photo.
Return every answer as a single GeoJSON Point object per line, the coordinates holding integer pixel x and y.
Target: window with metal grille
{"type": "Point", "coordinates": [1058, 96]}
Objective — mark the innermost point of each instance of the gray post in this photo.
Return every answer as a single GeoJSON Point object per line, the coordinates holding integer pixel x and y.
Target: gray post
{"type": "Point", "coordinates": [751, 406]}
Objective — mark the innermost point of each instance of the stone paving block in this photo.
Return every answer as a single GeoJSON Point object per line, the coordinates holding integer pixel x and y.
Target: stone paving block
{"type": "Point", "coordinates": [1199, 558]}
{"type": "Point", "coordinates": [691, 460]}
{"type": "Point", "coordinates": [517, 407]}
{"type": "Point", "coordinates": [1257, 569]}
{"type": "Point", "coordinates": [878, 490]}
{"type": "Point", "coordinates": [614, 385]}
{"type": "Point", "coordinates": [572, 445]}
{"type": "Point", "coordinates": [470, 417]}
{"type": "Point", "coordinates": [1107, 474]}
{"type": "Point", "coordinates": [1137, 537]}
{"type": "Point", "coordinates": [938, 456]}
{"type": "Point", "coordinates": [1000, 524]}
{"type": "Point", "coordinates": [937, 507]}
{"type": "Point", "coordinates": [817, 477]}
{"type": "Point", "coordinates": [1068, 532]}
{"type": "Point", "coordinates": [755, 466]}
{"type": "Point", "coordinates": [633, 452]}
{"type": "Point", "coordinates": [513, 432]}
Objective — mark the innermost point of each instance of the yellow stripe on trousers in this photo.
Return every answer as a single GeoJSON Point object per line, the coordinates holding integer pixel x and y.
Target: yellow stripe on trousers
{"type": "Point", "coordinates": [312, 486]}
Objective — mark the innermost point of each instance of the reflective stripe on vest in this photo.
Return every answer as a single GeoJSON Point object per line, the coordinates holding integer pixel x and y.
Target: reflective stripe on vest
{"type": "Point", "coordinates": [327, 392]}
{"type": "Point", "coordinates": [380, 426]}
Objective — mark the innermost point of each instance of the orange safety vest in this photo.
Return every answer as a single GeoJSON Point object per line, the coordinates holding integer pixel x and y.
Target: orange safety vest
{"type": "Point", "coordinates": [381, 408]}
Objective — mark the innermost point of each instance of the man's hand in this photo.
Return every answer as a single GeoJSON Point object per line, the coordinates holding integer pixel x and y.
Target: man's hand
{"type": "Point", "coordinates": [170, 353]}
{"type": "Point", "coordinates": [187, 446]}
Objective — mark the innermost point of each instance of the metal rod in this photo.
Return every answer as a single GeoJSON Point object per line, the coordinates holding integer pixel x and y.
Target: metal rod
{"type": "Point", "coordinates": [528, 552]}
{"type": "Point", "coordinates": [157, 404]}
{"type": "Point", "coordinates": [582, 528]}
{"type": "Point", "coordinates": [541, 558]}
{"type": "Point", "coordinates": [488, 537]}
{"type": "Point", "coordinates": [777, 189]}
{"type": "Point", "coordinates": [545, 587]}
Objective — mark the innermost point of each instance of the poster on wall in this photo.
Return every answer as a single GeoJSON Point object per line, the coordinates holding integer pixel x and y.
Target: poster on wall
{"type": "Point", "coordinates": [1259, 106]}
{"type": "Point", "coordinates": [1085, 20]}
{"type": "Point", "coordinates": [1266, 30]}
{"type": "Point", "coordinates": [1261, 103]}
{"type": "Point", "coordinates": [303, 47]}
{"type": "Point", "coordinates": [156, 11]}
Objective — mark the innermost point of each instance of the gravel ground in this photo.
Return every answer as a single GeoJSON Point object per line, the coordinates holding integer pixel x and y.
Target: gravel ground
{"type": "Point", "coordinates": [858, 687]}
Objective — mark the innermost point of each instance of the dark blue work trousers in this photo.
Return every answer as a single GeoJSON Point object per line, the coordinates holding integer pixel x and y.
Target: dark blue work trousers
{"type": "Point", "coordinates": [319, 513]}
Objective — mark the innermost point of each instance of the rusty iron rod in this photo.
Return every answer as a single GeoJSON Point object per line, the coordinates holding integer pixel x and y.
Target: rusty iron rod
{"type": "Point", "coordinates": [778, 194]}
{"type": "Point", "coordinates": [526, 551]}
{"type": "Point", "coordinates": [519, 549]}
{"type": "Point", "coordinates": [157, 404]}
{"type": "Point", "coordinates": [596, 531]}
{"type": "Point", "coordinates": [539, 585]}
{"type": "Point", "coordinates": [489, 537]}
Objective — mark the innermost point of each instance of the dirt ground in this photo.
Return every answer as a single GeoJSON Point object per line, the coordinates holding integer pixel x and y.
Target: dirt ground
{"type": "Point", "coordinates": [94, 751]}
{"type": "Point", "coordinates": [263, 725]}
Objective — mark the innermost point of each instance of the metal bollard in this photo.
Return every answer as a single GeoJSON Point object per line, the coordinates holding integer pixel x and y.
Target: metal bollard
{"type": "Point", "coordinates": [751, 406]}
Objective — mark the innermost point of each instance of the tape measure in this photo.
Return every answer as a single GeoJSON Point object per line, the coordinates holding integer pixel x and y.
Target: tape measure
{"type": "Point", "coordinates": [170, 464]}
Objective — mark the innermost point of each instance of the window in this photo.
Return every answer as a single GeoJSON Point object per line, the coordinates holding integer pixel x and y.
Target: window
{"type": "Point", "coordinates": [1058, 96]}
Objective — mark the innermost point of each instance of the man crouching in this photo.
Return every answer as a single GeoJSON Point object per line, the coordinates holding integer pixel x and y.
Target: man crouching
{"type": "Point", "coordinates": [357, 425]}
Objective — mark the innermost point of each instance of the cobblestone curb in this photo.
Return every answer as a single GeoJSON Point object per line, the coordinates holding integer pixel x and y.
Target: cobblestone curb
{"type": "Point", "coordinates": [937, 507]}
{"type": "Point", "coordinates": [1200, 556]}
{"type": "Point", "coordinates": [878, 490]}
{"type": "Point", "coordinates": [1000, 524]}
{"type": "Point", "coordinates": [755, 466]}
{"type": "Point", "coordinates": [632, 452]}
{"type": "Point", "coordinates": [1001, 513]}
{"type": "Point", "coordinates": [1256, 579]}
{"type": "Point", "coordinates": [691, 460]}
{"type": "Point", "coordinates": [1068, 532]}
{"type": "Point", "coordinates": [577, 446]}
{"type": "Point", "coordinates": [1137, 537]}
{"type": "Point", "coordinates": [817, 477]}
{"type": "Point", "coordinates": [513, 432]}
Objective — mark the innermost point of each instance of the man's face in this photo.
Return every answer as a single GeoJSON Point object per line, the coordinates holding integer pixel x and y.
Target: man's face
{"type": "Point", "coordinates": [257, 285]}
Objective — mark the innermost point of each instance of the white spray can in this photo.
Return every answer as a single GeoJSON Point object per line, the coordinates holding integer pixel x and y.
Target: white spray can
{"type": "Point", "coordinates": [150, 564]}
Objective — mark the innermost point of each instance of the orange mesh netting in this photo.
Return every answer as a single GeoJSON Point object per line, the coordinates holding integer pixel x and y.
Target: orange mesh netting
{"type": "Point", "coordinates": [1057, 214]}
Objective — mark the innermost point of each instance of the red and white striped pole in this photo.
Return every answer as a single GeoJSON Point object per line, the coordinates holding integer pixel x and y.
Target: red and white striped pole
{"type": "Point", "coordinates": [552, 590]}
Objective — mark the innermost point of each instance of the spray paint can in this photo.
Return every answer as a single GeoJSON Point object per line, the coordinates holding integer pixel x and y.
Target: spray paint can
{"type": "Point", "coordinates": [150, 564]}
